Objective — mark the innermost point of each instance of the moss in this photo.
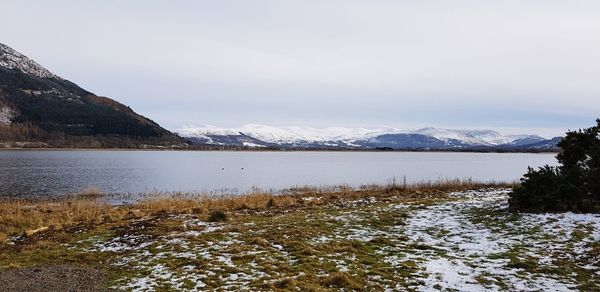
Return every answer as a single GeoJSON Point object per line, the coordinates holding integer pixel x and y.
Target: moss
{"type": "Point", "coordinates": [579, 234]}
{"type": "Point", "coordinates": [421, 246]}
{"type": "Point", "coordinates": [527, 263]}
{"type": "Point", "coordinates": [485, 280]}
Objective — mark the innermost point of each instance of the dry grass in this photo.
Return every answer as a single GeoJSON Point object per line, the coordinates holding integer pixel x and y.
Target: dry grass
{"type": "Point", "coordinates": [18, 216]}
{"type": "Point", "coordinates": [341, 280]}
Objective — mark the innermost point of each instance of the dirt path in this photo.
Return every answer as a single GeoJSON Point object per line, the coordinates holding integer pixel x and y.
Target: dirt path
{"type": "Point", "coordinates": [52, 278]}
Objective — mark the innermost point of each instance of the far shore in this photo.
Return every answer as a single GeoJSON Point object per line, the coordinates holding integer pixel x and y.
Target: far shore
{"type": "Point", "coordinates": [257, 149]}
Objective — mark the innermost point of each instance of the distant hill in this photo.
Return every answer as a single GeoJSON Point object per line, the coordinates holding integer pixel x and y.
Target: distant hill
{"type": "Point", "coordinates": [41, 109]}
{"type": "Point", "coordinates": [551, 144]}
{"type": "Point", "coordinates": [359, 138]}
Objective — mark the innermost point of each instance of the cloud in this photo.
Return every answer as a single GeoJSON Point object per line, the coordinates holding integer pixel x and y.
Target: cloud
{"type": "Point", "coordinates": [488, 63]}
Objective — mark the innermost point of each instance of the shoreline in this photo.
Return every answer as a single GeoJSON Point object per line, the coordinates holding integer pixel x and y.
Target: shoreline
{"type": "Point", "coordinates": [436, 236]}
{"type": "Point", "coordinates": [18, 215]}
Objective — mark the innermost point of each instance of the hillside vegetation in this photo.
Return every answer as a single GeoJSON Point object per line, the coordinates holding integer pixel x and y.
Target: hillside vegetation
{"type": "Point", "coordinates": [38, 108]}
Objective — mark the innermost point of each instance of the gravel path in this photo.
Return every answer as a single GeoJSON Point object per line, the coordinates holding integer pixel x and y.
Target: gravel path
{"type": "Point", "coordinates": [52, 278]}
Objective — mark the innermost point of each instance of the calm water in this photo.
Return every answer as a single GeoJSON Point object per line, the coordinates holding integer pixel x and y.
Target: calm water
{"type": "Point", "coordinates": [32, 173]}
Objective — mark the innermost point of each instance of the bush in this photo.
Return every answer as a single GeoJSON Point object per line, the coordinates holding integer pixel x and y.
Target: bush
{"type": "Point", "coordinates": [574, 185]}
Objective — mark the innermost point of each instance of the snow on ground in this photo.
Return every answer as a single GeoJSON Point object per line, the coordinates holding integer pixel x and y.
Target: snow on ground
{"type": "Point", "coordinates": [152, 258]}
{"type": "Point", "coordinates": [472, 244]}
{"type": "Point", "coordinates": [467, 243]}
{"type": "Point", "coordinates": [475, 252]}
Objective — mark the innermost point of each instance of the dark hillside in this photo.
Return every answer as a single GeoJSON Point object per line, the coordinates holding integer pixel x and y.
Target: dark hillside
{"type": "Point", "coordinates": [54, 112]}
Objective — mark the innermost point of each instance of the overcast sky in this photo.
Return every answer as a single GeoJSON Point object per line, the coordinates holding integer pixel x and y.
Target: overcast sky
{"type": "Point", "coordinates": [459, 64]}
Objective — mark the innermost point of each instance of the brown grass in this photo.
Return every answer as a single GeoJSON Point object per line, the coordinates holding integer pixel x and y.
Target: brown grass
{"type": "Point", "coordinates": [286, 283]}
{"type": "Point", "coordinates": [340, 280]}
{"type": "Point", "coordinates": [17, 216]}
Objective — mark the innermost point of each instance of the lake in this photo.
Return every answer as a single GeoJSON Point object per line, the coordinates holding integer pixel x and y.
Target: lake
{"type": "Point", "coordinates": [50, 173]}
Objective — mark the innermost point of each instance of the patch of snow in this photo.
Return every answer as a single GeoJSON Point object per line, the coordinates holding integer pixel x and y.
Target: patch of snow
{"type": "Point", "coordinates": [122, 243]}
{"type": "Point", "coordinates": [6, 115]}
{"type": "Point", "coordinates": [321, 239]}
{"type": "Point", "coordinates": [450, 275]}
{"type": "Point", "coordinates": [208, 227]}
{"type": "Point", "coordinates": [250, 144]}
{"type": "Point", "coordinates": [161, 274]}
{"type": "Point", "coordinates": [468, 247]}
{"type": "Point", "coordinates": [226, 260]}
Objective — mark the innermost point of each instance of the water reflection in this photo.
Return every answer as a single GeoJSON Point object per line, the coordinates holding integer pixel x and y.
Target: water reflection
{"type": "Point", "coordinates": [48, 173]}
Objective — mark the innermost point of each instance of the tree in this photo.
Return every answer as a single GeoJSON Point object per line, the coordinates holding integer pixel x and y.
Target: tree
{"type": "Point", "coordinates": [574, 185]}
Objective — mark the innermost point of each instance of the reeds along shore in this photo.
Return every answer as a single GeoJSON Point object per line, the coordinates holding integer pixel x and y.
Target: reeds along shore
{"type": "Point", "coordinates": [90, 207]}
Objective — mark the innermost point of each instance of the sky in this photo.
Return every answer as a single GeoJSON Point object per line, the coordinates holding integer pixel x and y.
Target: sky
{"type": "Point", "coordinates": [518, 66]}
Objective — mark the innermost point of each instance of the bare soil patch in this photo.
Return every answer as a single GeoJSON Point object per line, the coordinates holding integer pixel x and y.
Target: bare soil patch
{"type": "Point", "coordinates": [52, 278]}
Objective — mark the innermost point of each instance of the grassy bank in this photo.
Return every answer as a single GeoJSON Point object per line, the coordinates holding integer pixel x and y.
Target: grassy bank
{"type": "Point", "coordinates": [90, 208]}
{"type": "Point", "coordinates": [444, 235]}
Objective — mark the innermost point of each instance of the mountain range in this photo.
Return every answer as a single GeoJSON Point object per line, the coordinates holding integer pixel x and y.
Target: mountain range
{"type": "Point", "coordinates": [254, 135]}
{"type": "Point", "coordinates": [40, 109]}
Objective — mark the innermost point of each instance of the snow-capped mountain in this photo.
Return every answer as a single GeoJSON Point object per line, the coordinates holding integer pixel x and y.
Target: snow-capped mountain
{"type": "Point", "coordinates": [478, 137]}
{"type": "Point", "coordinates": [11, 59]}
{"type": "Point", "coordinates": [282, 135]}
{"type": "Point", "coordinates": [433, 138]}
